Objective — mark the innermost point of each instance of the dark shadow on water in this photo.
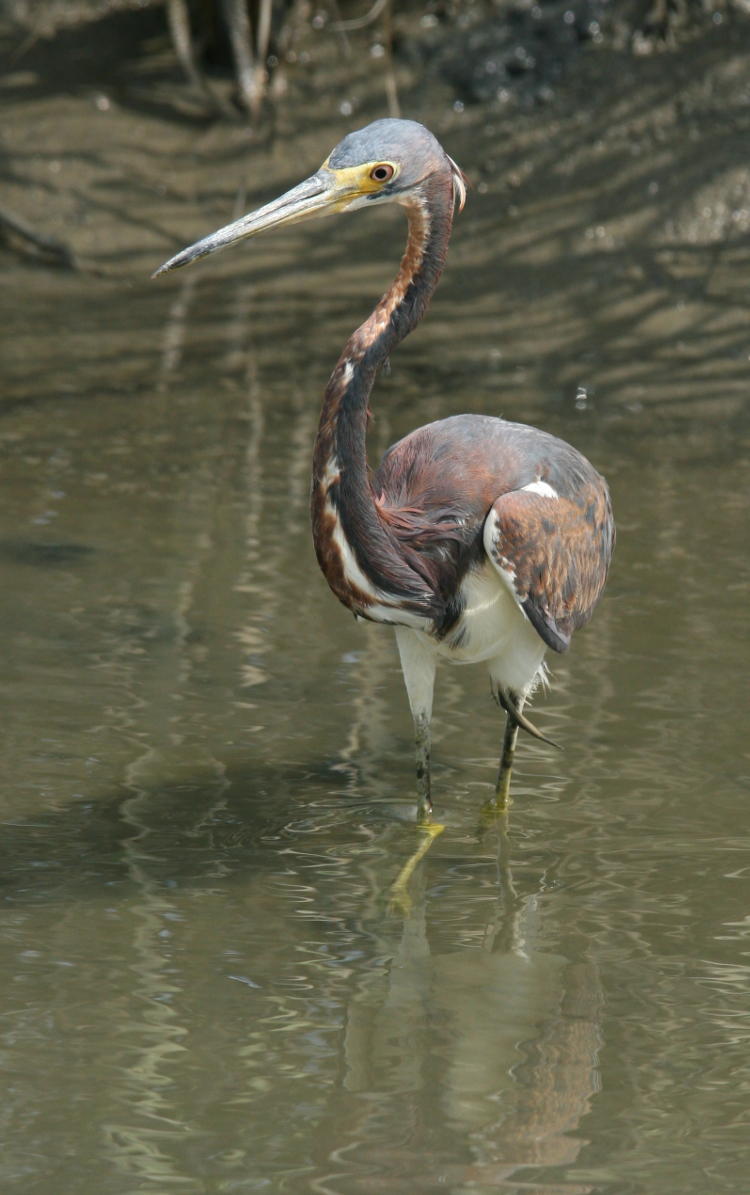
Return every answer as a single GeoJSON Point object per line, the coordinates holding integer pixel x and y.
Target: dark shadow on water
{"type": "Point", "coordinates": [43, 553]}
{"type": "Point", "coordinates": [418, 1054]}
{"type": "Point", "coordinates": [197, 832]}
{"type": "Point", "coordinates": [113, 52]}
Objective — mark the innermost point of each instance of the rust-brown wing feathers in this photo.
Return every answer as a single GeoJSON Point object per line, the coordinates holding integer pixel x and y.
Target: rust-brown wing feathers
{"type": "Point", "coordinates": [555, 553]}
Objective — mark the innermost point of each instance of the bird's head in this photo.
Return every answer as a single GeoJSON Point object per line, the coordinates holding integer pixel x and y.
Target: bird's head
{"type": "Point", "coordinates": [389, 161]}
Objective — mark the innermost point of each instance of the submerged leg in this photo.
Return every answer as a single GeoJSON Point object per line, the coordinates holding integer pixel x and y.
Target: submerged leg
{"type": "Point", "coordinates": [418, 662]}
{"type": "Point", "coordinates": [507, 753]}
{"type": "Point", "coordinates": [513, 704]}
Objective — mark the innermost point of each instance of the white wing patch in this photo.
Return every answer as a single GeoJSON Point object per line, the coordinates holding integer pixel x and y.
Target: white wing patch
{"type": "Point", "coordinates": [502, 566]}
{"type": "Point", "coordinates": [459, 185]}
{"type": "Point", "coordinates": [540, 487]}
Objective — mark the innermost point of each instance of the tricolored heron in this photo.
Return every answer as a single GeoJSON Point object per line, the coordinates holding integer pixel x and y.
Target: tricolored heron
{"type": "Point", "coordinates": [479, 540]}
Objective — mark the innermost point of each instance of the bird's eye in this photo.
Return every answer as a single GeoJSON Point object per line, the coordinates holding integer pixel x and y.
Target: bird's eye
{"type": "Point", "coordinates": [381, 173]}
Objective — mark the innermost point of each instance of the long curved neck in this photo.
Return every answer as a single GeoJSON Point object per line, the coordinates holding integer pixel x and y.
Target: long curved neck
{"type": "Point", "coordinates": [342, 500]}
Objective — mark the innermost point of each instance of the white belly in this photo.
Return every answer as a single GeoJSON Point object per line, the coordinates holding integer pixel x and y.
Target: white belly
{"type": "Point", "coordinates": [491, 620]}
{"type": "Point", "coordinates": [493, 628]}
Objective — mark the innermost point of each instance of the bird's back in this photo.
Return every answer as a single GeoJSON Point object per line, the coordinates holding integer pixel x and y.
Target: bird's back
{"type": "Point", "coordinates": [551, 515]}
{"type": "Point", "coordinates": [473, 459]}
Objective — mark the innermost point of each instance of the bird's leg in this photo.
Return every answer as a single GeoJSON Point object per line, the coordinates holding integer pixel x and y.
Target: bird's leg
{"type": "Point", "coordinates": [418, 666]}
{"type": "Point", "coordinates": [418, 662]}
{"type": "Point", "coordinates": [516, 719]}
{"type": "Point", "coordinates": [423, 744]}
{"type": "Point", "coordinates": [502, 788]}
{"type": "Point", "coordinates": [513, 704]}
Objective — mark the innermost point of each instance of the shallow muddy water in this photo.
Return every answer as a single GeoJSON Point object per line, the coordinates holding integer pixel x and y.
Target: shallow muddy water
{"type": "Point", "coordinates": [207, 767]}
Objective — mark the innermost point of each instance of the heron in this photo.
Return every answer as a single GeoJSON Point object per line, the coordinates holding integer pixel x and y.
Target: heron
{"type": "Point", "coordinates": [478, 539]}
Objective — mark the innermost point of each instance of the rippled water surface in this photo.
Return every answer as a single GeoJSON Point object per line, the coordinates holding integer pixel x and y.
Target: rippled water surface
{"type": "Point", "coordinates": [207, 793]}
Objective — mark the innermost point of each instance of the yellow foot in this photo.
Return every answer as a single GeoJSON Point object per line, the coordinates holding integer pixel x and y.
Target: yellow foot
{"type": "Point", "coordinates": [495, 810]}
{"type": "Point", "coordinates": [400, 899]}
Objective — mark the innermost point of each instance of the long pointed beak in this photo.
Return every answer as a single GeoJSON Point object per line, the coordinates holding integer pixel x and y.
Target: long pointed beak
{"type": "Point", "coordinates": [316, 196]}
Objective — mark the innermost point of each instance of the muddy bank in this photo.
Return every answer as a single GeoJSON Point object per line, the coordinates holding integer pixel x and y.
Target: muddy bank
{"type": "Point", "coordinates": [105, 144]}
{"type": "Point", "coordinates": [615, 211]}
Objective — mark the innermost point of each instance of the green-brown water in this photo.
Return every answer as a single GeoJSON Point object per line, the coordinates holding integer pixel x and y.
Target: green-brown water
{"type": "Point", "coordinates": [207, 766]}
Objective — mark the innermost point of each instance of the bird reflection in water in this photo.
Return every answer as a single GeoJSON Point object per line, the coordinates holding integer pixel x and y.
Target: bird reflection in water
{"type": "Point", "coordinates": [474, 1017]}
{"type": "Point", "coordinates": [465, 1017]}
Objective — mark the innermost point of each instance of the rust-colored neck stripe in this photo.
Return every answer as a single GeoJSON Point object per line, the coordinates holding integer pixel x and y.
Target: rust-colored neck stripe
{"type": "Point", "coordinates": [340, 475]}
